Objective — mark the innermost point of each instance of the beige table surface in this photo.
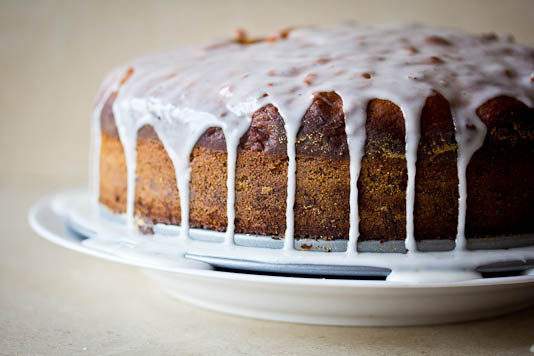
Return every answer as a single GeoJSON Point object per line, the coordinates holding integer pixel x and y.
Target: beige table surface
{"type": "Point", "coordinates": [57, 302]}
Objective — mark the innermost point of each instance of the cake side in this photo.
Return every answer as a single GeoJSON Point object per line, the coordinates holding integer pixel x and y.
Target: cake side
{"type": "Point", "coordinates": [322, 202]}
{"type": "Point", "coordinates": [500, 195]}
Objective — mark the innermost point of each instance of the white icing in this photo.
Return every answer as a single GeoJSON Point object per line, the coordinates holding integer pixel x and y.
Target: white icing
{"type": "Point", "coordinates": [411, 115]}
{"type": "Point", "coordinates": [355, 130]}
{"type": "Point", "coordinates": [184, 92]}
{"type": "Point", "coordinates": [289, 242]}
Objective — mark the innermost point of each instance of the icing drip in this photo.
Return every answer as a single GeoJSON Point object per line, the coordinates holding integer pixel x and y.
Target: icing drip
{"type": "Point", "coordinates": [289, 242]}
{"type": "Point", "coordinates": [184, 92]}
{"type": "Point", "coordinates": [355, 130]}
{"type": "Point", "coordinates": [469, 141]}
{"type": "Point", "coordinates": [411, 119]}
{"type": "Point", "coordinates": [231, 148]}
{"type": "Point", "coordinates": [109, 85]}
{"type": "Point", "coordinates": [94, 161]}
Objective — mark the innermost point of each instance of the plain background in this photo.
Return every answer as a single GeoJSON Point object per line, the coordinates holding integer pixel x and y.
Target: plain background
{"type": "Point", "coordinates": [54, 54]}
{"type": "Point", "coordinates": [52, 301]}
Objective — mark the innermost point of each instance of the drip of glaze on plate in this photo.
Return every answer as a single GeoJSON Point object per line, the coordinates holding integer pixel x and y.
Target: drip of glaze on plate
{"type": "Point", "coordinates": [184, 92]}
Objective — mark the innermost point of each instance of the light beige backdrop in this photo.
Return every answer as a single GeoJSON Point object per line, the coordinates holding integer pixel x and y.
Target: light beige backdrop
{"type": "Point", "coordinates": [54, 54]}
{"type": "Point", "coordinates": [53, 301]}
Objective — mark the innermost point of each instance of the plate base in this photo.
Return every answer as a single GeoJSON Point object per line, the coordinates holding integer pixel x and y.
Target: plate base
{"type": "Point", "coordinates": [305, 300]}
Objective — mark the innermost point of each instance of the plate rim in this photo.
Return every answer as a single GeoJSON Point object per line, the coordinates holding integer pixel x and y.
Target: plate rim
{"type": "Point", "coordinates": [40, 229]}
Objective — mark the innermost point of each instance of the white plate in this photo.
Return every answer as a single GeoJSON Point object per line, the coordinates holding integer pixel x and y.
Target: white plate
{"type": "Point", "coordinates": [301, 300]}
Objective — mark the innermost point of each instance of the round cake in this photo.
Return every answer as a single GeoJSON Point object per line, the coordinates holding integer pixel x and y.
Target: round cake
{"type": "Point", "coordinates": [348, 133]}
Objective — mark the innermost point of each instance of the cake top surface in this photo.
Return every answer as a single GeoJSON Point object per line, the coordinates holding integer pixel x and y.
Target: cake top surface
{"type": "Point", "coordinates": [402, 63]}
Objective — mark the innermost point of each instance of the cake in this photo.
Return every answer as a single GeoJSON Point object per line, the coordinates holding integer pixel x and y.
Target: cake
{"type": "Point", "coordinates": [404, 133]}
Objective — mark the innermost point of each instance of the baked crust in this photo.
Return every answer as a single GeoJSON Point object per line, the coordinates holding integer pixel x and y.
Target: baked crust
{"type": "Point", "coordinates": [500, 192]}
